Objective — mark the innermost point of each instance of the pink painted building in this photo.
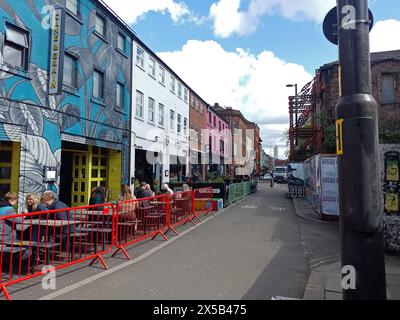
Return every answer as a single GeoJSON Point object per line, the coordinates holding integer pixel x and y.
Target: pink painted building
{"type": "Point", "coordinates": [216, 141]}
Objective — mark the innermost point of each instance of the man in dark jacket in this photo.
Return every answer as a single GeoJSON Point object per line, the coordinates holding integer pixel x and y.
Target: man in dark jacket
{"type": "Point", "coordinates": [52, 203]}
{"type": "Point", "coordinates": [140, 191]}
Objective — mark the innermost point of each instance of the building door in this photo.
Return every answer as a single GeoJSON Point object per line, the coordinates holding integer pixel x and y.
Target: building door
{"type": "Point", "coordinates": [80, 192]}
{"type": "Point", "coordinates": [9, 167]}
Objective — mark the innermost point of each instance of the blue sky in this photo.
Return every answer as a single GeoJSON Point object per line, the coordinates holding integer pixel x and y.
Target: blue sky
{"type": "Point", "coordinates": [241, 53]}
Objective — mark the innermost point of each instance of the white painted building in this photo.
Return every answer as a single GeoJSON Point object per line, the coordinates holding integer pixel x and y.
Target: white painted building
{"type": "Point", "coordinates": [160, 119]}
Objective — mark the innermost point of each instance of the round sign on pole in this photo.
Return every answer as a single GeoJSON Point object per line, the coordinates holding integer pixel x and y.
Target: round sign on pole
{"type": "Point", "coordinates": [330, 25]}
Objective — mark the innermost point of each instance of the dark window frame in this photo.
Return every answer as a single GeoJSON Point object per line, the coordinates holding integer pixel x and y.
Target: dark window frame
{"type": "Point", "coordinates": [120, 106]}
{"type": "Point", "coordinates": [26, 50]}
{"type": "Point", "coordinates": [102, 73]}
{"type": "Point", "coordinates": [76, 72]}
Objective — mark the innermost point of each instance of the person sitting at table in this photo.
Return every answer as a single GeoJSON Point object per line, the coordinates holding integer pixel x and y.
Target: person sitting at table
{"type": "Point", "coordinates": [127, 207]}
{"type": "Point", "coordinates": [52, 203]}
{"type": "Point", "coordinates": [98, 196]}
{"type": "Point", "coordinates": [8, 231]}
{"type": "Point", "coordinates": [33, 205]}
{"type": "Point", "coordinates": [166, 189]}
{"type": "Point", "coordinates": [140, 191]}
{"type": "Point", "coordinates": [148, 192]}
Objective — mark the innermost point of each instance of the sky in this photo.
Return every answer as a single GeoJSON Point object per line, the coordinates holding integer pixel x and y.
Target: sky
{"type": "Point", "coordinates": [243, 53]}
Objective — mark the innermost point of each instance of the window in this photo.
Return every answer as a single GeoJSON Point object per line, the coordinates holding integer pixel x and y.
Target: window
{"type": "Point", "coordinates": [161, 115]}
{"type": "Point", "coordinates": [140, 57]}
{"type": "Point", "coordinates": [202, 108]}
{"type": "Point", "coordinates": [219, 126]}
{"type": "Point", "coordinates": [139, 105]}
{"type": "Point", "coordinates": [388, 90]}
{"type": "Point", "coordinates": [70, 70]}
{"type": "Point", "coordinates": [209, 117]}
{"type": "Point", "coordinates": [172, 84]}
{"type": "Point", "coordinates": [73, 6]}
{"type": "Point", "coordinates": [191, 131]}
{"type": "Point", "coordinates": [193, 102]}
{"type": "Point", "coordinates": [179, 124]}
{"type": "Point", "coordinates": [221, 147]}
{"type": "Point", "coordinates": [151, 110]}
{"type": "Point", "coordinates": [98, 84]}
{"type": "Point", "coordinates": [100, 26]}
{"type": "Point", "coordinates": [198, 105]}
{"type": "Point", "coordinates": [186, 95]}
{"type": "Point", "coordinates": [120, 95]}
{"type": "Point", "coordinates": [215, 122]}
{"type": "Point", "coordinates": [179, 90]}
{"type": "Point", "coordinates": [162, 75]}
{"type": "Point", "coordinates": [185, 126]}
{"type": "Point", "coordinates": [171, 119]}
{"type": "Point", "coordinates": [16, 47]}
{"type": "Point", "coordinates": [152, 67]}
{"type": "Point", "coordinates": [121, 45]}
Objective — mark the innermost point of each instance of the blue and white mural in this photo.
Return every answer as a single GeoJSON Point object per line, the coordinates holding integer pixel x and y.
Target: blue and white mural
{"type": "Point", "coordinates": [40, 121]}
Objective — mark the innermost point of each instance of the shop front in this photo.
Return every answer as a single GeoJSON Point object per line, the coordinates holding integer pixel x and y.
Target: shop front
{"type": "Point", "coordinates": [86, 167]}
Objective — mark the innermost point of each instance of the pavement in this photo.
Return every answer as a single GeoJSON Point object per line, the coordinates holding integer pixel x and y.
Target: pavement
{"type": "Point", "coordinates": [251, 250]}
{"type": "Point", "coordinates": [325, 274]}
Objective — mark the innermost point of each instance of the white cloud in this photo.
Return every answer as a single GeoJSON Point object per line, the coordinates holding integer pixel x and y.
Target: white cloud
{"type": "Point", "coordinates": [255, 84]}
{"type": "Point", "coordinates": [229, 19]}
{"type": "Point", "coordinates": [384, 36]}
{"type": "Point", "coordinates": [132, 10]}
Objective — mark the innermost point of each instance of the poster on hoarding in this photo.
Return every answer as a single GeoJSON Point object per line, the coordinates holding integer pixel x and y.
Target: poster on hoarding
{"type": "Point", "coordinates": [391, 202]}
{"type": "Point", "coordinates": [329, 185]}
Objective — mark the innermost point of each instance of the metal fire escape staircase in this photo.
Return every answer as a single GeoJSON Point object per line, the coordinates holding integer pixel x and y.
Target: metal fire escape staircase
{"type": "Point", "coordinates": [305, 137]}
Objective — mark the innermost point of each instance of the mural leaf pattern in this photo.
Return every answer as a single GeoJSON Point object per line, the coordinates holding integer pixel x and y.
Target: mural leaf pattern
{"type": "Point", "coordinates": [69, 117]}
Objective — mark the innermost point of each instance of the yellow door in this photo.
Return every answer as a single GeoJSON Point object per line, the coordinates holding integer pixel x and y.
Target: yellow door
{"type": "Point", "coordinates": [99, 167]}
{"type": "Point", "coordinates": [9, 167]}
{"type": "Point", "coordinates": [80, 188]}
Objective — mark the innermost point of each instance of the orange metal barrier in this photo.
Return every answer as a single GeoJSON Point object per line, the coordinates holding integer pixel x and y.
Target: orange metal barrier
{"type": "Point", "coordinates": [181, 211]}
{"type": "Point", "coordinates": [137, 220]}
{"type": "Point", "coordinates": [56, 239]}
{"type": "Point", "coordinates": [201, 202]}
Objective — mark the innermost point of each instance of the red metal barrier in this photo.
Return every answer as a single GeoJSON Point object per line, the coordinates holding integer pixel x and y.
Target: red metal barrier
{"type": "Point", "coordinates": [181, 211]}
{"type": "Point", "coordinates": [201, 201]}
{"type": "Point", "coordinates": [137, 220]}
{"type": "Point", "coordinates": [57, 238]}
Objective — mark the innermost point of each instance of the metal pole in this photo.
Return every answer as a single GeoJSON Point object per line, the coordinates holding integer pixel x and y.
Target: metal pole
{"type": "Point", "coordinates": [360, 190]}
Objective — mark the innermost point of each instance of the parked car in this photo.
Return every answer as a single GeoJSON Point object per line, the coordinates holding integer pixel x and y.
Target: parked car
{"type": "Point", "coordinates": [266, 177]}
{"type": "Point", "coordinates": [281, 174]}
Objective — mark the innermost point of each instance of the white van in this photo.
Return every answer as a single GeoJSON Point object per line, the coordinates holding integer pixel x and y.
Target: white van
{"type": "Point", "coordinates": [281, 174]}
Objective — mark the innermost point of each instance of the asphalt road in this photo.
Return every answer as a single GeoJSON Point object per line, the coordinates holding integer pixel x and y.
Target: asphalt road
{"type": "Point", "coordinates": [253, 250]}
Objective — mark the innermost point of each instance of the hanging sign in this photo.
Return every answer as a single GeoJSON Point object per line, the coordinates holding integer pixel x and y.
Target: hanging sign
{"type": "Point", "coordinates": [56, 52]}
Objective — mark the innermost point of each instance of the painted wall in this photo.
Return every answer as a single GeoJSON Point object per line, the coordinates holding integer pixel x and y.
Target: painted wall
{"type": "Point", "coordinates": [40, 121]}
{"type": "Point", "coordinates": [216, 134]}
{"type": "Point", "coordinates": [151, 136]}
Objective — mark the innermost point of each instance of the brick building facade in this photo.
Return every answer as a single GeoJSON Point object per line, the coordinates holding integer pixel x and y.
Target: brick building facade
{"type": "Point", "coordinates": [385, 75]}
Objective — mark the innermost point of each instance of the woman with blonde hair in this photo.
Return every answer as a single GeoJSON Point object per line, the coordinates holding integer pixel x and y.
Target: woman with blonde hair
{"type": "Point", "coordinates": [128, 214]}
{"type": "Point", "coordinates": [33, 204]}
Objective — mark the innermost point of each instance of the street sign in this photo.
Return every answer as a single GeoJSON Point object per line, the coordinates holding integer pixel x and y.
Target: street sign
{"type": "Point", "coordinates": [330, 25]}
